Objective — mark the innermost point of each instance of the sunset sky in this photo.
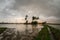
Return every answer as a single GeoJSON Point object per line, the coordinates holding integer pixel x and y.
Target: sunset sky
{"type": "Point", "coordinates": [15, 10]}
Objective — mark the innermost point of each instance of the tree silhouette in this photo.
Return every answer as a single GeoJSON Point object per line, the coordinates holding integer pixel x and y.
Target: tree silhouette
{"type": "Point", "coordinates": [34, 18]}
{"type": "Point", "coordinates": [26, 18]}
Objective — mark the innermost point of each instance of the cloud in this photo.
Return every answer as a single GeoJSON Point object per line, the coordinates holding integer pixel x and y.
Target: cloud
{"type": "Point", "coordinates": [53, 19]}
{"type": "Point", "coordinates": [19, 8]}
{"type": "Point", "coordinates": [45, 7]}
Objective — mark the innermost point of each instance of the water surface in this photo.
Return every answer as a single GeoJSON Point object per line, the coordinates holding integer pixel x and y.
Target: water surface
{"type": "Point", "coordinates": [22, 27]}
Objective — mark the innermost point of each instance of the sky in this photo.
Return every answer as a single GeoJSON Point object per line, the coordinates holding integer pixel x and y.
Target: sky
{"type": "Point", "coordinates": [15, 10]}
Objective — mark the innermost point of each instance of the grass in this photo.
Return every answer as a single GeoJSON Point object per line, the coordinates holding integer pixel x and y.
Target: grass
{"type": "Point", "coordinates": [43, 34]}
{"type": "Point", "coordinates": [2, 29]}
{"type": "Point", "coordinates": [55, 32]}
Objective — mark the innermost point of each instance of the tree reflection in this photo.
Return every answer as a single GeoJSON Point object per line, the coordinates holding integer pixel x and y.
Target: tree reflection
{"type": "Point", "coordinates": [34, 27]}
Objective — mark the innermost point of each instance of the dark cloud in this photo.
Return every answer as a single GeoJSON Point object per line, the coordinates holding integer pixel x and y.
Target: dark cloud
{"type": "Point", "coordinates": [19, 8]}
{"type": "Point", "coordinates": [48, 7]}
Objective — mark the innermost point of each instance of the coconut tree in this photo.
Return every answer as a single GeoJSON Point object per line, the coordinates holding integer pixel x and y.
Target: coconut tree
{"type": "Point", "coordinates": [26, 18]}
{"type": "Point", "coordinates": [34, 18]}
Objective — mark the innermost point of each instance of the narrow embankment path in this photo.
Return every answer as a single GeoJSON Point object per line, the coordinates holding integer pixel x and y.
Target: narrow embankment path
{"type": "Point", "coordinates": [43, 34]}
{"type": "Point", "coordinates": [55, 32]}
{"type": "Point", "coordinates": [51, 35]}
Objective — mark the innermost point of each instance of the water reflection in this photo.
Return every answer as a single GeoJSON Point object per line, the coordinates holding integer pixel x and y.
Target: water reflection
{"type": "Point", "coordinates": [20, 32]}
{"type": "Point", "coordinates": [22, 27]}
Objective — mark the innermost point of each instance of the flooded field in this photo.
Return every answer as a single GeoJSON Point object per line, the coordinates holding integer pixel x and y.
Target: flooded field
{"type": "Point", "coordinates": [23, 31]}
{"type": "Point", "coordinates": [20, 31]}
{"type": "Point", "coordinates": [22, 27]}
{"type": "Point", "coordinates": [56, 26]}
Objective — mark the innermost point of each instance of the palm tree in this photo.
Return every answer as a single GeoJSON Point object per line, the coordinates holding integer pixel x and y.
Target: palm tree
{"type": "Point", "coordinates": [26, 18]}
{"type": "Point", "coordinates": [34, 18]}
